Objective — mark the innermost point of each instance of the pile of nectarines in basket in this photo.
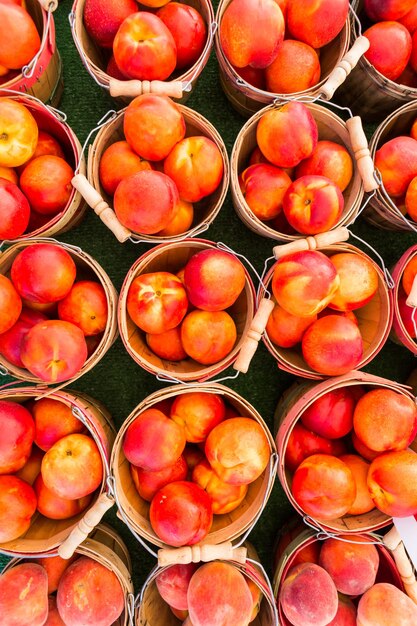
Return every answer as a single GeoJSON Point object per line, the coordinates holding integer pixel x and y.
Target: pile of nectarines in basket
{"type": "Point", "coordinates": [53, 311]}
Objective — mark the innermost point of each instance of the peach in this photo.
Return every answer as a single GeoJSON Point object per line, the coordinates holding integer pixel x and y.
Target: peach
{"type": "Point", "coordinates": [383, 605]}
{"type": "Point", "coordinates": [385, 420]}
{"type": "Point", "coordinates": [72, 468]}
{"type": "Point", "coordinates": [198, 412]}
{"type": "Point", "coordinates": [308, 596]}
{"type": "Point", "coordinates": [89, 593]}
{"type": "Point", "coordinates": [287, 135]}
{"type": "Point", "coordinates": [316, 22]}
{"type": "Point", "coordinates": [181, 514]}
{"type": "Point", "coordinates": [54, 507]}
{"type": "Point", "coordinates": [102, 18]}
{"type": "Point", "coordinates": [148, 483]}
{"type": "Point", "coordinates": [47, 144]}
{"type": "Point", "coordinates": [32, 467]}
{"type": "Point", "coordinates": [214, 279]}
{"type": "Point", "coordinates": [406, 314]}
{"type": "Point", "coordinates": [359, 468]}
{"type": "Point", "coordinates": [263, 186]}
{"type": "Point", "coordinates": [24, 595]}
{"type": "Point", "coordinates": [153, 441]}
{"type": "Point", "coordinates": [295, 68]}
{"type": "Point", "coordinates": [11, 304]}
{"type": "Point", "coordinates": [286, 330]}
{"type": "Point", "coordinates": [18, 432]}
{"type": "Point", "coordinates": [324, 487]}
{"type": "Point", "coordinates": [225, 497]}
{"type": "Point", "coordinates": [14, 210]}
{"type": "Point", "coordinates": [331, 415]}
{"type": "Point", "coordinates": [172, 584]}
{"type": "Point", "coordinates": [332, 345]}
{"type": "Point", "coordinates": [208, 336]}
{"type": "Point", "coordinates": [54, 618]}
{"type": "Point", "coordinates": [353, 566]}
{"type": "Point", "coordinates": [146, 202]}
{"type": "Point", "coordinates": [328, 159]}
{"type": "Point", "coordinates": [256, 156]}
{"type": "Point", "coordinates": [408, 77]}
{"type": "Point", "coordinates": [188, 29]}
{"type": "Point", "coordinates": [358, 281]}
{"type": "Point", "coordinates": [313, 204]}
{"type": "Point", "coordinates": [346, 613]}
{"type": "Point", "coordinates": [302, 443]}
{"type": "Point", "coordinates": [17, 505]}
{"type": "Point", "coordinates": [218, 594]}
{"type": "Point", "coordinates": [411, 199]}
{"type": "Point", "coordinates": [11, 340]}
{"type": "Point", "coordinates": [55, 566]}
{"type": "Point", "coordinates": [252, 75]}
{"type": "Point", "coordinates": [181, 221]}
{"type": "Point", "coordinates": [378, 10]}
{"type": "Point", "coordinates": [46, 182]}
{"type": "Point", "coordinates": [396, 161]}
{"type": "Point", "coordinates": [167, 345]}
{"type": "Point", "coordinates": [410, 272]}
{"type": "Point", "coordinates": [54, 350]}
{"type": "Point", "coordinates": [391, 483]}
{"type": "Point", "coordinates": [118, 162]}
{"type": "Point", "coordinates": [362, 449]}
{"type": "Point", "coordinates": [409, 20]}
{"type": "Point", "coordinates": [85, 306]}
{"type": "Point", "coordinates": [390, 48]}
{"type": "Point", "coordinates": [9, 173]}
{"type": "Point", "coordinates": [256, 593]}
{"type": "Point", "coordinates": [303, 283]}
{"type": "Point", "coordinates": [192, 455]}
{"type": "Point", "coordinates": [238, 450]}
{"type": "Point", "coordinates": [241, 43]}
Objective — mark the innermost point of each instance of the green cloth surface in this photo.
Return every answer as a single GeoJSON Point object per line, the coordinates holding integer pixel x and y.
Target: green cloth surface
{"type": "Point", "coordinates": [117, 380]}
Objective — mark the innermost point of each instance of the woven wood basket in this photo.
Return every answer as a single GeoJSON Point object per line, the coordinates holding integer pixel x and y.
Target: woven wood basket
{"type": "Point", "coordinates": [204, 211]}
{"type": "Point", "coordinates": [134, 511]}
{"type": "Point", "coordinates": [366, 91]}
{"type": "Point", "coordinates": [106, 547]}
{"type": "Point", "coordinates": [171, 257]}
{"type": "Point", "coordinates": [46, 535]}
{"type": "Point", "coordinates": [51, 122]}
{"type": "Point", "coordinates": [399, 332]}
{"type": "Point", "coordinates": [374, 319]}
{"type": "Point", "coordinates": [89, 269]}
{"type": "Point", "coordinates": [95, 60]}
{"type": "Point", "coordinates": [43, 75]}
{"type": "Point", "coordinates": [331, 128]}
{"type": "Point", "coordinates": [154, 611]}
{"type": "Point", "coordinates": [380, 211]}
{"type": "Point", "coordinates": [289, 409]}
{"type": "Point", "coordinates": [390, 570]}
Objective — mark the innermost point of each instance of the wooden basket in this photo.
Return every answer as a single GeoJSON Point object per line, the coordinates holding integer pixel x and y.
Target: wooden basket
{"type": "Point", "coordinates": [43, 78]}
{"type": "Point", "coordinates": [331, 128]}
{"type": "Point", "coordinates": [90, 270]}
{"type": "Point", "coordinates": [154, 611]}
{"type": "Point", "coordinates": [366, 91]}
{"type": "Point", "coordinates": [171, 257]}
{"type": "Point", "coordinates": [46, 535]}
{"type": "Point", "coordinates": [95, 60]}
{"type": "Point", "coordinates": [399, 332]}
{"type": "Point", "coordinates": [227, 527]}
{"type": "Point", "coordinates": [51, 122]}
{"type": "Point", "coordinates": [289, 409]}
{"type": "Point", "coordinates": [106, 547]}
{"type": "Point", "coordinates": [374, 319]}
{"type": "Point", "coordinates": [380, 212]}
{"type": "Point", "coordinates": [204, 211]}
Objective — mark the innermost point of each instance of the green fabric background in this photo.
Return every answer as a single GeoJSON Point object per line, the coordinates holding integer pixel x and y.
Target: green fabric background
{"type": "Point", "coordinates": [116, 380]}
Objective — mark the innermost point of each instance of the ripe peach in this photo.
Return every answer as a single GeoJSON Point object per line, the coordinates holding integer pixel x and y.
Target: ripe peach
{"type": "Point", "coordinates": [287, 135]}
{"type": "Point", "coordinates": [181, 221]}
{"type": "Point", "coordinates": [302, 443]}
{"type": "Point", "coordinates": [238, 450]}
{"type": "Point", "coordinates": [14, 210]}
{"type": "Point", "coordinates": [148, 483]}
{"type": "Point", "coordinates": [390, 48]}
{"type": "Point", "coordinates": [167, 345]}
{"type": "Point", "coordinates": [47, 144]}
{"type": "Point", "coordinates": [118, 162]}
{"type": "Point", "coordinates": [188, 29]}
{"type": "Point", "coordinates": [328, 159]}
{"type": "Point", "coordinates": [24, 595]}
{"type": "Point", "coordinates": [359, 468]}
{"type": "Point", "coordinates": [89, 593]}
{"type": "Point", "coordinates": [308, 596]}
{"type": "Point", "coordinates": [313, 204]}
{"type": "Point", "coordinates": [353, 566]}
{"type": "Point", "coordinates": [256, 156]}
{"type": "Point", "coordinates": [286, 330]}
{"type": "Point", "coordinates": [252, 75]}
{"type": "Point", "coordinates": [85, 306]}
{"type": "Point", "coordinates": [409, 20]}
{"type": "Point", "coordinates": [32, 467]}
{"type": "Point", "coordinates": [295, 68]}
{"type": "Point", "coordinates": [263, 187]}
{"type": "Point", "coordinates": [346, 613]}
{"type": "Point", "coordinates": [383, 605]}
{"type": "Point", "coordinates": [391, 481]}
{"type": "Point", "coordinates": [331, 415]}
{"type": "Point", "coordinates": [54, 618]}
{"type": "Point", "coordinates": [406, 314]}
{"type": "Point", "coordinates": [208, 336]}
{"type": "Point", "coordinates": [54, 507]}
{"type": "Point", "coordinates": [411, 199]}
{"type": "Point", "coordinates": [11, 340]}
{"type": "Point", "coordinates": [181, 514]}
{"type": "Point", "coordinates": [54, 350]}
{"type": "Point", "coordinates": [303, 283]}
{"type": "Point", "coordinates": [18, 126]}
{"type": "Point", "coordinates": [153, 441]}
{"type": "Point", "coordinates": [396, 161]}
{"type": "Point", "coordinates": [172, 584]}
{"type": "Point", "coordinates": [218, 594]}
{"type": "Point", "coordinates": [46, 182]}
{"type": "Point", "coordinates": [102, 18]}
{"type": "Point", "coordinates": [198, 412]}
{"type": "Point", "coordinates": [192, 455]}
{"type": "Point", "coordinates": [316, 22]}
{"type": "Point", "coordinates": [17, 505]}
{"type": "Point", "coordinates": [378, 10]}
{"type": "Point", "coordinates": [241, 43]}
{"type": "Point", "coordinates": [72, 468]}
{"type": "Point", "coordinates": [18, 432]}
{"type": "Point", "coordinates": [225, 497]}
{"type": "Point", "coordinates": [324, 487]}
{"type": "Point", "coordinates": [20, 41]}
{"type": "Point", "coordinates": [11, 304]}
{"type": "Point", "coordinates": [410, 271]}
{"type": "Point", "coordinates": [358, 281]}
{"type": "Point", "coordinates": [9, 173]}
{"type": "Point", "coordinates": [55, 566]}
{"type": "Point", "coordinates": [362, 449]}
{"type": "Point", "coordinates": [332, 345]}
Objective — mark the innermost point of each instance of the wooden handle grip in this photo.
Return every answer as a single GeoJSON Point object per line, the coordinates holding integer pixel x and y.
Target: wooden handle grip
{"type": "Point", "coordinates": [312, 243]}
{"type": "Point", "coordinates": [412, 296]}
{"type": "Point", "coordinates": [46, 4]}
{"type": "Point", "coordinates": [253, 336]}
{"type": "Point", "coordinates": [203, 553]}
{"type": "Point", "coordinates": [85, 526]}
{"type": "Point", "coordinates": [133, 88]}
{"type": "Point", "coordinates": [342, 70]}
{"type": "Point", "coordinates": [100, 207]}
{"type": "Point", "coordinates": [392, 541]}
{"type": "Point", "coordinates": [363, 157]}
